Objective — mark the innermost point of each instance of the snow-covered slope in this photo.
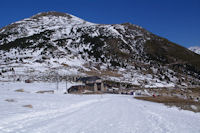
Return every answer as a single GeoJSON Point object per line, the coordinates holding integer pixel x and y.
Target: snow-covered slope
{"type": "Point", "coordinates": [58, 113]}
{"type": "Point", "coordinates": [195, 49]}
{"type": "Point", "coordinates": [48, 43]}
{"type": "Point", "coordinates": [61, 22]}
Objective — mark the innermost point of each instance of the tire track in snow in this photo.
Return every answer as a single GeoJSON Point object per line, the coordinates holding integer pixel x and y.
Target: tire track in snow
{"type": "Point", "coordinates": [159, 123]}
{"type": "Point", "coordinates": [155, 121]}
{"type": "Point", "coordinates": [21, 121]}
{"type": "Point", "coordinates": [74, 121]}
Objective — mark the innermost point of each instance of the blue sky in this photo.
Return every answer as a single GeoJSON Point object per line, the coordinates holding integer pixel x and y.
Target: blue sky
{"type": "Point", "coordinates": [176, 20]}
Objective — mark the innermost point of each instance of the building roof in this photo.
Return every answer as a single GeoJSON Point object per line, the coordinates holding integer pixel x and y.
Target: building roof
{"type": "Point", "coordinates": [91, 79]}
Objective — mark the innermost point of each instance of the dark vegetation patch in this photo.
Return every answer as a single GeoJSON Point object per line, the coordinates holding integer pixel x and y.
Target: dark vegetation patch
{"type": "Point", "coordinates": [109, 47]}
{"type": "Point", "coordinates": [61, 42]}
{"type": "Point", "coordinates": [175, 56]}
{"type": "Point", "coordinates": [27, 42]}
{"type": "Point", "coordinates": [195, 90]}
{"type": "Point", "coordinates": [96, 45]}
{"type": "Point", "coordinates": [174, 101]}
{"type": "Point", "coordinates": [167, 52]}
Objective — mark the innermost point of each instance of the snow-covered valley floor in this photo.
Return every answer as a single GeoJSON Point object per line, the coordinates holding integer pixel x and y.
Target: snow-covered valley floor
{"type": "Point", "coordinates": [59, 113]}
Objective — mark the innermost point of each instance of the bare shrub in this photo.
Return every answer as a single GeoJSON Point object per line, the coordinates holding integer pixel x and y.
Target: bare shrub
{"type": "Point", "coordinates": [10, 100]}
{"type": "Point", "coordinates": [20, 90]}
{"type": "Point", "coordinates": [28, 106]}
{"type": "Point", "coordinates": [48, 91]}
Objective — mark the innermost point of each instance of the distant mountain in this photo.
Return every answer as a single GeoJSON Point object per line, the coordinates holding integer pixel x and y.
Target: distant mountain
{"type": "Point", "coordinates": [195, 49]}
{"type": "Point", "coordinates": [53, 42]}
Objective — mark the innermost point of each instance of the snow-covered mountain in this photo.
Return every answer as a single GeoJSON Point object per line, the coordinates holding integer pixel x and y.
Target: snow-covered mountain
{"type": "Point", "coordinates": [52, 42]}
{"type": "Point", "coordinates": [195, 49]}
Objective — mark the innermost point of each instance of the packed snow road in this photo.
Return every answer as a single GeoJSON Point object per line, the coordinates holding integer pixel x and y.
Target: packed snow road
{"type": "Point", "coordinates": [58, 113]}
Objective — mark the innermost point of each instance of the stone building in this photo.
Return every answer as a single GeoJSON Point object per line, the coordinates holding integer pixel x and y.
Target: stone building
{"type": "Point", "coordinates": [92, 84]}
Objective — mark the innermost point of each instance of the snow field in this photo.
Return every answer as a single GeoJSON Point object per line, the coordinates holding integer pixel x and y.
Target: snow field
{"type": "Point", "coordinates": [87, 113]}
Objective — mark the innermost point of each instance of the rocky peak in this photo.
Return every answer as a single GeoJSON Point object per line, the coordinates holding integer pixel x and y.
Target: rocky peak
{"type": "Point", "coordinates": [51, 13]}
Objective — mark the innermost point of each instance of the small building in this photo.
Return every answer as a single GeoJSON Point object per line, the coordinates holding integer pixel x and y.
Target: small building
{"type": "Point", "coordinates": [76, 89]}
{"type": "Point", "coordinates": [93, 84]}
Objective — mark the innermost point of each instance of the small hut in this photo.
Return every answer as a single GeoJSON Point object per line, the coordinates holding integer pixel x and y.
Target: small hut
{"type": "Point", "coordinates": [93, 83]}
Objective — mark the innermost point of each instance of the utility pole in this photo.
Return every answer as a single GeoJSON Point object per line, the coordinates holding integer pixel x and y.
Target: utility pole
{"type": "Point", "coordinates": [57, 80]}
{"type": "Point", "coordinates": [66, 85]}
{"type": "Point", "coordinates": [120, 88]}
